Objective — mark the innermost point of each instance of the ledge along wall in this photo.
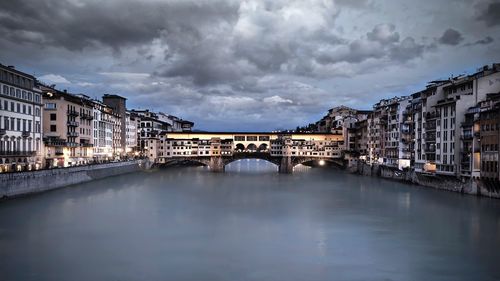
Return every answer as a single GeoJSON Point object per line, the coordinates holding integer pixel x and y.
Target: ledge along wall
{"type": "Point", "coordinates": [450, 183]}
{"type": "Point", "coordinates": [17, 184]}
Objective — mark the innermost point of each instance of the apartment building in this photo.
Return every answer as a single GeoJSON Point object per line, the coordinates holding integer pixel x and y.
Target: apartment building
{"type": "Point", "coordinates": [21, 146]}
{"type": "Point", "coordinates": [460, 94]}
{"type": "Point", "coordinates": [489, 125]}
{"type": "Point", "coordinates": [68, 128]}
{"type": "Point", "coordinates": [119, 106]}
{"type": "Point", "coordinates": [132, 124]}
{"type": "Point", "coordinates": [104, 125]}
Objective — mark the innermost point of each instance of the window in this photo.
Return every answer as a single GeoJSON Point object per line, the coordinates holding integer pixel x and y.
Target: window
{"type": "Point", "coordinates": [53, 117]}
{"type": "Point", "coordinates": [50, 106]}
{"type": "Point", "coordinates": [53, 128]}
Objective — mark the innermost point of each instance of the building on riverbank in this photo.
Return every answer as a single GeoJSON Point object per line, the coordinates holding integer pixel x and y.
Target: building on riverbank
{"type": "Point", "coordinates": [489, 126]}
{"type": "Point", "coordinates": [68, 128]}
{"type": "Point", "coordinates": [449, 129]}
{"type": "Point", "coordinates": [20, 121]}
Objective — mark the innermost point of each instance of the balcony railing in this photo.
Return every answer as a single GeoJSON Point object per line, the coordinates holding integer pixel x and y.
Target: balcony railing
{"type": "Point", "coordinates": [17, 153]}
{"type": "Point", "coordinates": [73, 112]}
{"type": "Point", "coordinates": [432, 115]}
{"type": "Point", "coordinates": [86, 116]}
{"type": "Point", "coordinates": [73, 124]}
{"type": "Point", "coordinates": [25, 134]}
{"type": "Point", "coordinates": [73, 134]}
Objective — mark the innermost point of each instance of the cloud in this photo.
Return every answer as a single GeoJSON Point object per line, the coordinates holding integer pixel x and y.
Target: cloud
{"type": "Point", "coordinates": [489, 14]}
{"type": "Point", "coordinates": [238, 64]}
{"type": "Point", "coordinates": [384, 33]}
{"type": "Point", "coordinates": [485, 41]}
{"type": "Point", "coordinates": [53, 79]}
{"type": "Point", "coordinates": [451, 37]}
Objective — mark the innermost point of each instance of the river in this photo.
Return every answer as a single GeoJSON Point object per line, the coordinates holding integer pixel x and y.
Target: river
{"type": "Point", "coordinates": [249, 223]}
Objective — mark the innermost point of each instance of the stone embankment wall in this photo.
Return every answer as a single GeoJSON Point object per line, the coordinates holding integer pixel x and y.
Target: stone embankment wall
{"type": "Point", "coordinates": [450, 183]}
{"type": "Point", "coordinates": [17, 184]}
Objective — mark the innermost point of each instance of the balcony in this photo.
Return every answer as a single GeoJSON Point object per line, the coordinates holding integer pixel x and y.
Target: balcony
{"type": "Point", "coordinates": [3, 132]}
{"type": "Point", "coordinates": [73, 113]}
{"type": "Point", "coordinates": [25, 134]}
{"type": "Point", "coordinates": [73, 124]}
{"type": "Point", "coordinates": [5, 153]}
{"type": "Point", "coordinates": [466, 137]}
{"type": "Point", "coordinates": [432, 115]}
{"type": "Point", "coordinates": [73, 134]}
{"type": "Point", "coordinates": [72, 144]}
{"type": "Point", "coordinates": [86, 116]}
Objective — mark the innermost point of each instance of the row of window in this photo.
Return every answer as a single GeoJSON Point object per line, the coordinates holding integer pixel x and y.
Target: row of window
{"type": "Point", "coordinates": [18, 107]}
{"type": "Point", "coordinates": [18, 124]}
{"type": "Point", "coordinates": [20, 94]}
{"type": "Point", "coordinates": [490, 127]}
{"type": "Point", "coordinates": [19, 145]}
{"type": "Point", "coordinates": [489, 166]}
{"type": "Point", "coordinates": [489, 147]}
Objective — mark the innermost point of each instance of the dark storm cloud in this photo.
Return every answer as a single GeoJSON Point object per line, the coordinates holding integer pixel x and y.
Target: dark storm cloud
{"type": "Point", "coordinates": [490, 14]}
{"type": "Point", "coordinates": [485, 41]}
{"type": "Point", "coordinates": [245, 61]}
{"type": "Point", "coordinates": [78, 24]}
{"type": "Point", "coordinates": [451, 37]}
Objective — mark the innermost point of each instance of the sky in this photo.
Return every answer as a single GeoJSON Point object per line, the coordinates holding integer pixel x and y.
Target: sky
{"type": "Point", "coordinates": [254, 65]}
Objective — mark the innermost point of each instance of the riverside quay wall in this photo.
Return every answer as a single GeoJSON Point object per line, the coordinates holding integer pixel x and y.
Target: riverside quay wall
{"type": "Point", "coordinates": [18, 184]}
{"type": "Point", "coordinates": [466, 186]}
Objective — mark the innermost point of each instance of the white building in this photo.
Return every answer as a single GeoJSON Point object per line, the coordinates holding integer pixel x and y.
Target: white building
{"type": "Point", "coordinates": [21, 146]}
{"type": "Point", "coordinates": [132, 123]}
{"type": "Point", "coordinates": [103, 131]}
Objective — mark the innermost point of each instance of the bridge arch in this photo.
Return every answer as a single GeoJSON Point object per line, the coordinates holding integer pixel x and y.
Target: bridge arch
{"type": "Point", "coordinates": [337, 162]}
{"type": "Point", "coordinates": [240, 147]}
{"type": "Point", "coordinates": [184, 160]}
{"type": "Point", "coordinates": [251, 147]}
{"type": "Point", "coordinates": [262, 147]}
{"type": "Point", "coordinates": [252, 155]}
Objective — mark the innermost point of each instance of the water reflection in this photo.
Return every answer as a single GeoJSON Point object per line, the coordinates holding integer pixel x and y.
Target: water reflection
{"type": "Point", "coordinates": [250, 223]}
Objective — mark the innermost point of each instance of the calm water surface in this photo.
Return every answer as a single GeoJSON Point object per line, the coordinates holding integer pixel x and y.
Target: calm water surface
{"type": "Point", "coordinates": [249, 224]}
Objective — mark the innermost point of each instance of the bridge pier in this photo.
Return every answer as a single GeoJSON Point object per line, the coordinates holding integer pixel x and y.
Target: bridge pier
{"type": "Point", "coordinates": [216, 164]}
{"type": "Point", "coordinates": [286, 166]}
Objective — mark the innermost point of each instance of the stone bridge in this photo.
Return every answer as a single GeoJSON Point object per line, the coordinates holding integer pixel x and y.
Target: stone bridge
{"type": "Point", "coordinates": [216, 150]}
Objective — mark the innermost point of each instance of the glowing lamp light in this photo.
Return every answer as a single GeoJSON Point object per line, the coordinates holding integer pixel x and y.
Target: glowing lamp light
{"type": "Point", "coordinates": [321, 162]}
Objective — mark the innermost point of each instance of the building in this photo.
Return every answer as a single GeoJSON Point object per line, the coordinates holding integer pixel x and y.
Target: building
{"type": "Point", "coordinates": [150, 127]}
{"type": "Point", "coordinates": [470, 158]}
{"type": "Point", "coordinates": [21, 146]}
{"type": "Point", "coordinates": [460, 94]}
{"type": "Point", "coordinates": [176, 124]}
{"type": "Point", "coordinates": [68, 128]}
{"type": "Point", "coordinates": [104, 125]}
{"type": "Point", "coordinates": [489, 126]}
{"type": "Point", "coordinates": [132, 123]}
{"type": "Point", "coordinates": [119, 105]}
